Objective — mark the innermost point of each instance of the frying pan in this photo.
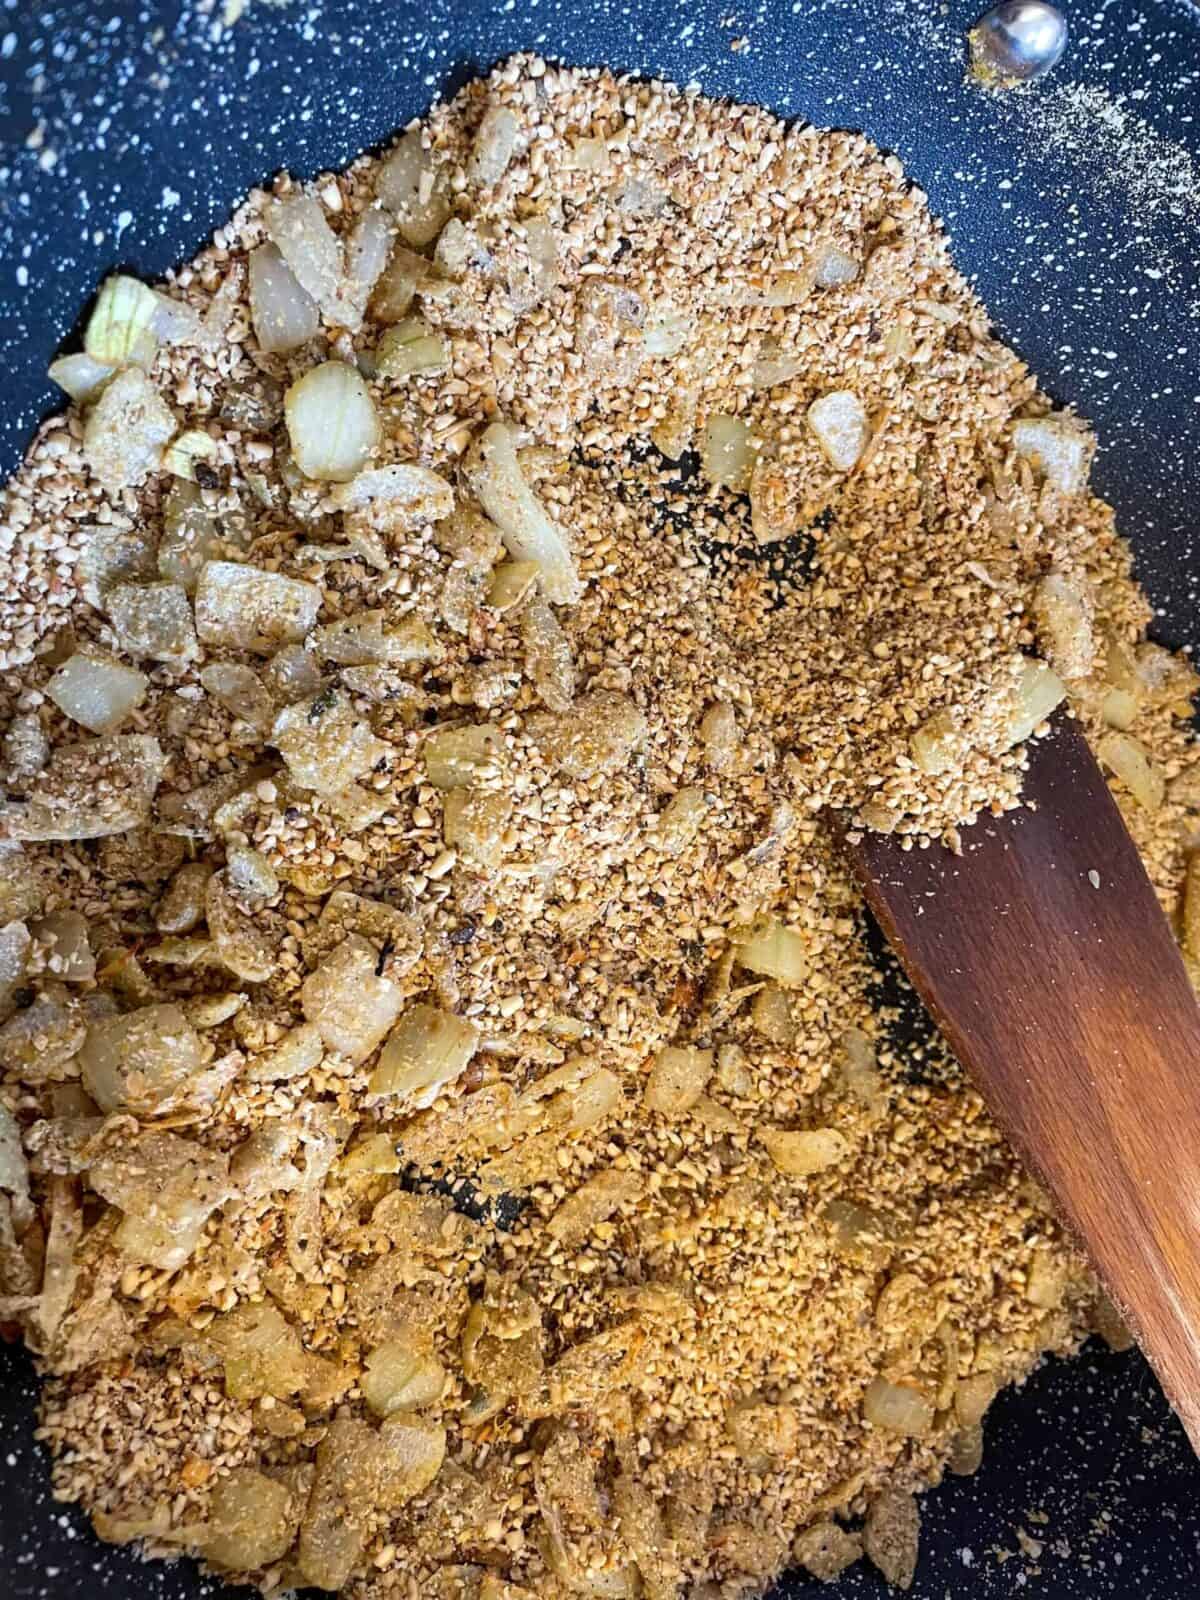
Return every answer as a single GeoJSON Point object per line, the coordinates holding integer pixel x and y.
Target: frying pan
{"type": "Point", "coordinates": [1075, 208]}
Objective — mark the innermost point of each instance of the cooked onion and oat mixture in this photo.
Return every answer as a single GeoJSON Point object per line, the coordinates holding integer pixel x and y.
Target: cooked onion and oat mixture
{"type": "Point", "coordinates": [452, 1141]}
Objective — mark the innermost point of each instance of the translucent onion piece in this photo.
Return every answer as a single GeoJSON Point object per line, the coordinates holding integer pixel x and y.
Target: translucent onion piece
{"type": "Point", "coordinates": [96, 690]}
{"type": "Point", "coordinates": [476, 826]}
{"type": "Point", "coordinates": [1129, 760]}
{"type": "Point", "coordinates": [763, 1431]}
{"type": "Point", "coordinates": [240, 607]}
{"type": "Point", "coordinates": [826, 1550]}
{"type": "Point", "coordinates": [600, 733]}
{"type": "Point", "coordinates": [331, 421]}
{"type": "Point", "coordinates": [966, 1452]}
{"type": "Point", "coordinates": [175, 322]}
{"type": "Point", "coordinates": [61, 1268]}
{"type": "Point", "coordinates": [1064, 609]}
{"type": "Point", "coordinates": [898, 1408]}
{"type": "Point", "coordinates": [185, 450]}
{"type": "Point", "coordinates": [241, 691]}
{"type": "Point", "coordinates": [861, 1072]}
{"type": "Point", "coordinates": [251, 875]}
{"type": "Point", "coordinates": [368, 250]}
{"type": "Point", "coordinates": [549, 664]}
{"type": "Point", "coordinates": [297, 225]}
{"type": "Point", "coordinates": [407, 185]}
{"type": "Point", "coordinates": [120, 330]}
{"type": "Point", "coordinates": [512, 582]}
{"type": "Point", "coordinates": [98, 787]}
{"type": "Point", "coordinates": [409, 348]}
{"type": "Point", "coordinates": [351, 1006]}
{"type": "Point", "coordinates": [401, 1376]}
{"type": "Point", "coordinates": [26, 749]}
{"type": "Point", "coordinates": [665, 331]}
{"type": "Point", "coordinates": [191, 535]}
{"type": "Point", "coordinates": [297, 1053]}
{"type": "Point", "coordinates": [14, 1170]}
{"type": "Point", "coordinates": [126, 430]}
{"type": "Point", "coordinates": [973, 1396]}
{"type": "Point", "coordinates": [594, 1202]}
{"type": "Point", "coordinates": [80, 375]}
{"type": "Point", "coordinates": [252, 1521]}
{"type": "Point", "coordinates": [399, 496]}
{"type": "Point", "coordinates": [495, 143]}
{"type": "Point", "coordinates": [167, 1188]}
{"type": "Point", "coordinates": [681, 820]}
{"type": "Point", "coordinates": [773, 366]}
{"type": "Point", "coordinates": [773, 951]}
{"type": "Point", "coordinates": [69, 954]}
{"type": "Point", "coordinates": [43, 1036]}
{"type": "Point", "coordinates": [284, 315]}
{"type": "Point", "coordinates": [374, 1156]}
{"type": "Point", "coordinates": [140, 1062]}
{"type": "Point", "coordinates": [832, 267]}
{"type": "Point", "coordinates": [677, 1079]}
{"type": "Point", "coordinates": [1165, 678]}
{"type": "Point", "coordinates": [771, 1015]}
{"type": "Point", "coordinates": [240, 942]}
{"type": "Point", "coordinates": [891, 1537]}
{"type": "Point", "coordinates": [457, 757]}
{"type": "Point", "coordinates": [326, 743]}
{"type": "Point", "coordinates": [111, 556]}
{"type": "Point", "coordinates": [402, 278]}
{"type": "Point", "coordinates": [720, 735]}
{"type": "Point", "coordinates": [725, 454]}
{"type": "Point", "coordinates": [1038, 692]}
{"type": "Point", "coordinates": [153, 620]}
{"type": "Point", "coordinates": [261, 1351]}
{"type": "Point", "coordinates": [495, 477]}
{"type": "Point", "coordinates": [428, 1049]}
{"type": "Point", "coordinates": [1119, 709]}
{"type": "Point", "coordinates": [840, 424]}
{"type": "Point", "coordinates": [1057, 446]}
{"type": "Point", "coordinates": [800, 1153]}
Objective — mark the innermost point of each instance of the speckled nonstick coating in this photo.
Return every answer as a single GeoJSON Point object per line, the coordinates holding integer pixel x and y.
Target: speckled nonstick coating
{"type": "Point", "coordinates": [1075, 208]}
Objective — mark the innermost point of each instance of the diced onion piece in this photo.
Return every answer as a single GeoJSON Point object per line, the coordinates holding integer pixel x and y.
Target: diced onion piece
{"type": "Point", "coordinates": [70, 955]}
{"type": "Point", "coordinates": [772, 366]}
{"type": "Point", "coordinates": [1119, 709]}
{"type": "Point", "coordinates": [725, 453]}
{"type": "Point", "coordinates": [120, 330]}
{"type": "Point", "coordinates": [802, 1152]}
{"type": "Point", "coordinates": [183, 452]}
{"type": "Point", "coordinates": [891, 1537]}
{"type": "Point", "coordinates": [840, 424]}
{"type": "Point", "coordinates": [529, 533]}
{"type": "Point", "coordinates": [400, 496]}
{"type": "Point", "coordinates": [154, 620]}
{"type": "Point", "coordinates": [298, 1052]}
{"type": "Point", "coordinates": [549, 664]}
{"type": "Point", "coordinates": [141, 1061]}
{"type": "Point", "coordinates": [677, 1079]}
{"type": "Point", "coordinates": [175, 322]}
{"type": "Point", "coordinates": [367, 253]}
{"type": "Point", "coordinates": [665, 331]}
{"type": "Point", "coordinates": [401, 1376]}
{"type": "Point", "coordinates": [331, 421]}
{"type": "Point", "coordinates": [898, 1408]}
{"type": "Point", "coordinates": [594, 1202]}
{"type": "Point", "coordinates": [773, 951]}
{"type": "Point", "coordinates": [826, 1550]}
{"type": "Point", "coordinates": [476, 826]}
{"type": "Point", "coordinates": [966, 1452]}
{"type": "Point", "coordinates": [80, 375]}
{"type": "Point", "coordinates": [240, 607]}
{"type": "Point", "coordinates": [512, 582]}
{"type": "Point", "coordinates": [92, 789]}
{"type": "Point", "coordinates": [409, 348]}
{"type": "Point", "coordinates": [860, 1071]}
{"type": "Point", "coordinates": [14, 1169]}
{"type": "Point", "coordinates": [1046, 1281]}
{"type": "Point", "coordinates": [1063, 608]}
{"type": "Point", "coordinates": [126, 430]}
{"type": "Point", "coordinates": [352, 1006]}
{"type": "Point", "coordinates": [1164, 677]}
{"type": "Point", "coordinates": [1038, 692]}
{"type": "Point", "coordinates": [325, 743]}
{"type": "Point", "coordinates": [1057, 446]}
{"type": "Point", "coordinates": [1129, 760]}
{"type": "Point", "coordinates": [297, 225]}
{"type": "Point", "coordinates": [771, 1015]}
{"type": "Point", "coordinates": [459, 757]}
{"type": "Point", "coordinates": [402, 278]}
{"type": "Point", "coordinates": [284, 314]}
{"type": "Point", "coordinates": [428, 1049]}
{"type": "Point", "coordinates": [261, 1351]}
{"type": "Point", "coordinates": [495, 143]}
{"type": "Point", "coordinates": [832, 267]}
{"type": "Point", "coordinates": [589, 155]}
{"type": "Point", "coordinates": [239, 941]}
{"type": "Point", "coordinates": [937, 746]}
{"type": "Point", "coordinates": [241, 692]}
{"type": "Point", "coordinates": [720, 735]}
{"type": "Point", "coordinates": [191, 535]}
{"type": "Point", "coordinates": [252, 1520]}
{"type": "Point", "coordinates": [408, 185]}
{"type": "Point", "coordinates": [110, 556]}
{"type": "Point", "coordinates": [167, 1188]}
{"type": "Point", "coordinates": [681, 819]}
{"type": "Point", "coordinates": [361, 639]}
{"type": "Point", "coordinates": [600, 733]}
{"type": "Point", "coordinates": [96, 690]}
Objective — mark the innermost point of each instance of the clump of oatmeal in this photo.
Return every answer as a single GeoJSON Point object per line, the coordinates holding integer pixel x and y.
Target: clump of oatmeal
{"type": "Point", "coordinates": [450, 1137]}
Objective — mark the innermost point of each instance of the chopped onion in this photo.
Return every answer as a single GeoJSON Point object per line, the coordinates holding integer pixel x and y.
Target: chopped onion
{"type": "Point", "coordinates": [511, 584]}
{"type": "Point", "coordinates": [409, 348]}
{"type": "Point", "coordinates": [361, 639]}
{"type": "Point", "coordinates": [241, 692]}
{"type": "Point", "coordinates": [80, 375]}
{"type": "Point", "coordinates": [191, 535]}
{"type": "Point", "coordinates": [368, 250]}
{"type": "Point", "coordinates": [428, 1049]}
{"type": "Point", "coordinates": [600, 733]}
{"type": "Point", "coordinates": [665, 331]}
{"type": "Point", "coordinates": [773, 367]}
{"type": "Point", "coordinates": [284, 315]}
{"type": "Point", "coordinates": [408, 185]}
{"type": "Point", "coordinates": [899, 1409]}
{"type": "Point", "coordinates": [459, 757]}
{"type": "Point", "coordinates": [1038, 692]}
{"type": "Point", "coordinates": [771, 1015]}
{"type": "Point", "coordinates": [120, 330]}
{"type": "Point", "coordinates": [677, 1079]}
{"type": "Point", "coordinates": [773, 951]}
{"type": "Point", "coordinates": [832, 267]}
{"type": "Point", "coordinates": [860, 1071]}
{"type": "Point", "coordinates": [352, 1007]}
{"type": "Point", "coordinates": [840, 424]}
{"type": "Point", "coordinates": [594, 1202]}
{"type": "Point", "coordinates": [96, 690]}
{"type": "Point", "coordinates": [725, 453]}
{"type": "Point", "coordinates": [1057, 446]}
{"type": "Point", "coordinates": [240, 607]}
{"type": "Point", "coordinates": [1063, 607]}
{"type": "Point", "coordinates": [167, 1188]}
{"type": "Point", "coordinates": [495, 143]}
{"type": "Point", "coordinates": [298, 1052]}
{"type": "Point", "coordinates": [325, 743]}
{"type": "Point", "coordinates": [89, 790]}
{"type": "Point", "coordinates": [331, 421]}
{"type": "Point", "coordinates": [973, 1396]}
{"type": "Point", "coordinates": [937, 746]}
{"type": "Point", "coordinates": [681, 819]}
{"type": "Point", "coordinates": [142, 1061]}
{"type": "Point", "coordinates": [14, 1170]}
{"type": "Point", "coordinates": [476, 825]}
{"type": "Point", "coordinates": [396, 497]}
{"type": "Point", "coordinates": [70, 955]}
{"type": "Point", "coordinates": [1129, 760]}
{"type": "Point", "coordinates": [240, 943]}
{"type": "Point", "coordinates": [154, 620]}
{"type": "Point", "coordinates": [800, 1153]}
{"type": "Point", "coordinates": [495, 476]}
{"type": "Point", "coordinates": [402, 278]}
{"type": "Point", "coordinates": [111, 556]}
{"type": "Point", "coordinates": [826, 1550]}
{"type": "Point", "coordinates": [126, 431]}
{"type": "Point", "coordinates": [181, 455]}
{"type": "Point", "coordinates": [252, 1521]}
{"type": "Point", "coordinates": [549, 664]}
{"type": "Point", "coordinates": [297, 225]}
{"type": "Point", "coordinates": [401, 1376]}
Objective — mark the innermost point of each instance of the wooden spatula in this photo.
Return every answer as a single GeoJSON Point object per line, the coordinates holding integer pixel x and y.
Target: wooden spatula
{"type": "Point", "coordinates": [1046, 961]}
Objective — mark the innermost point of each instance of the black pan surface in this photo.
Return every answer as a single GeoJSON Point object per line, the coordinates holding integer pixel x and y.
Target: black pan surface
{"type": "Point", "coordinates": [128, 130]}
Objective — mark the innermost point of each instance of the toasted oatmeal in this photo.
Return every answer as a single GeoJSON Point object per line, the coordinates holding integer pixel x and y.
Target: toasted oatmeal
{"type": "Point", "coordinates": [451, 1137]}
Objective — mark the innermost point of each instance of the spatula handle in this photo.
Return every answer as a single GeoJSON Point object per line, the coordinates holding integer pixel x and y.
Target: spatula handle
{"type": "Point", "coordinates": [1045, 958]}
